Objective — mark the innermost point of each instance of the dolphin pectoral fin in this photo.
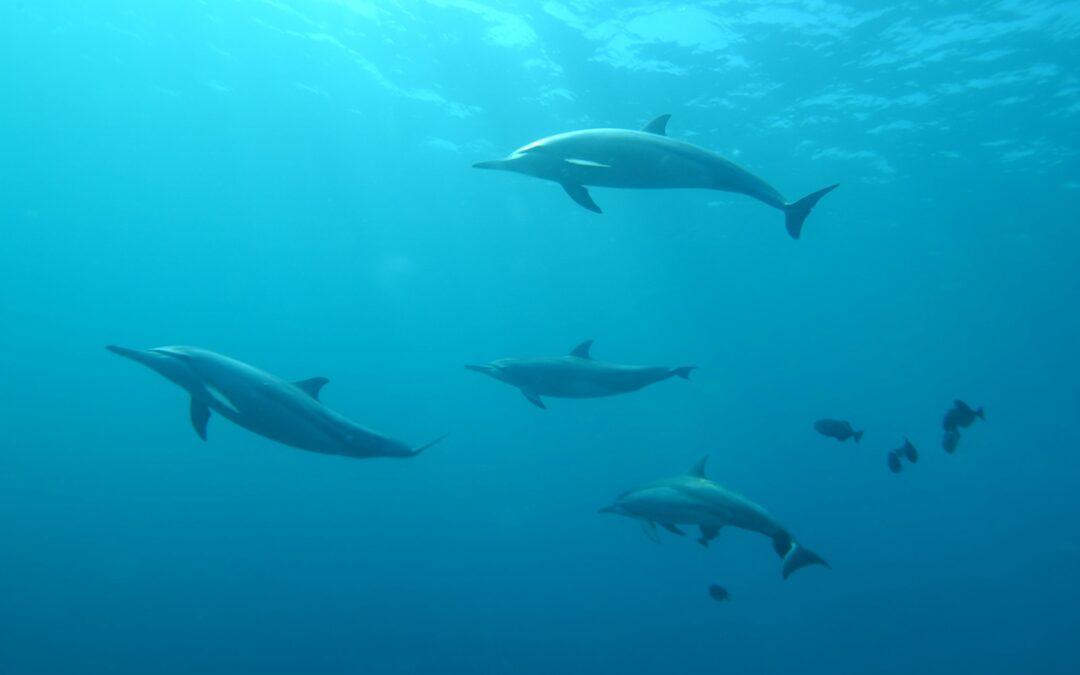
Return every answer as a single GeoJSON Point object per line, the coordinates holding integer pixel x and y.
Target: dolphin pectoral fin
{"type": "Point", "coordinates": [649, 528]}
{"type": "Point", "coordinates": [707, 534]}
{"type": "Point", "coordinates": [672, 529]}
{"type": "Point", "coordinates": [534, 398]}
{"type": "Point", "coordinates": [581, 195]}
{"type": "Point", "coordinates": [311, 386]}
{"type": "Point", "coordinates": [657, 126]}
{"type": "Point", "coordinates": [200, 415]}
{"type": "Point", "coordinates": [796, 212]}
{"type": "Point", "coordinates": [799, 557]}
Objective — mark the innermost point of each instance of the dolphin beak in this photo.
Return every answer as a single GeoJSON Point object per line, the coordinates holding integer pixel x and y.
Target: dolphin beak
{"type": "Point", "coordinates": [606, 509]}
{"type": "Point", "coordinates": [479, 368]}
{"type": "Point", "coordinates": [491, 164]}
{"type": "Point", "coordinates": [143, 356]}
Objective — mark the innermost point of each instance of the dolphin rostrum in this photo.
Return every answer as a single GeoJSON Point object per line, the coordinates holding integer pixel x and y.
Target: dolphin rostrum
{"type": "Point", "coordinates": [575, 375]}
{"type": "Point", "coordinates": [693, 499]}
{"type": "Point", "coordinates": [286, 412]}
{"type": "Point", "coordinates": [624, 158]}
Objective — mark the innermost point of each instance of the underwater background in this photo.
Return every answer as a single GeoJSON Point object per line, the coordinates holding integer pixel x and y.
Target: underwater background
{"type": "Point", "coordinates": [288, 182]}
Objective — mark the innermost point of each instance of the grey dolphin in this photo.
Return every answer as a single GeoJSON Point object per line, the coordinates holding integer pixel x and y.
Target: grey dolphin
{"type": "Point", "coordinates": [624, 158]}
{"type": "Point", "coordinates": [575, 375]}
{"type": "Point", "coordinates": [286, 412]}
{"type": "Point", "coordinates": [693, 499]}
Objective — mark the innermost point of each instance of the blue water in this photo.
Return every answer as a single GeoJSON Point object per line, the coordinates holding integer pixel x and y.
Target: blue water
{"type": "Point", "coordinates": [288, 182]}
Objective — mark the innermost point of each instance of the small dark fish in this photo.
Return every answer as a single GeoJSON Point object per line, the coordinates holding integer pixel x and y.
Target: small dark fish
{"type": "Point", "coordinates": [909, 451]}
{"type": "Point", "coordinates": [961, 416]}
{"type": "Point", "coordinates": [839, 429]}
{"type": "Point", "coordinates": [719, 593]}
{"type": "Point", "coordinates": [894, 462]}
{"type": "Point", "coordinates": [950, 441]}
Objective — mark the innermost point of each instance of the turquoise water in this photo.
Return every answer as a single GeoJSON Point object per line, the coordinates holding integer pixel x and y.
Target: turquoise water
{"type": "Point", "coordinates": [289, 183]}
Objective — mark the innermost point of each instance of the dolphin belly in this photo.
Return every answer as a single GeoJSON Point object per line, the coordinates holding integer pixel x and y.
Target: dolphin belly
{"type": "Point", "coordinates": [290, 422]}
{"type": "Point", "coordinates": [580, 378]}
{"type": "Point", "coordinates": [622, 158]}
{"type": "Point", "coordinates": [670, 505]}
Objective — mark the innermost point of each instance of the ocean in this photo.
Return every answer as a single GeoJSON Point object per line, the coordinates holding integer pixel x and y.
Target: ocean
{"type": "Point", "coordinates": [290, 183]}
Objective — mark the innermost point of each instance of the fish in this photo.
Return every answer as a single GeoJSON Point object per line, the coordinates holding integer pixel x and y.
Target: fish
{"type": "Point", "coordinates": [841, 430]}
{"type": "Point", "coordinates": [961, 416]}
{"type": "Point", "coordinates": [950, 441]}
{"type": "Point", "coordinates": [719, 593]}
{"type": "Point", "coordinates": [893, 461]}
{"type": "Point", "coordinates": [909, 451]}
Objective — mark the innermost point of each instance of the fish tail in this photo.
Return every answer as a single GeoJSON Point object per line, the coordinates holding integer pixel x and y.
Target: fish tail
{"type": "Point", "coordinates": [980, 413]}
{"type": "Point", "coordinates": [795, 213]}
{"type": "Point", "coordinates": [858, 435]}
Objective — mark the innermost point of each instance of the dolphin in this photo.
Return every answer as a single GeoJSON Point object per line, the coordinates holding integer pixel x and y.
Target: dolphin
{"type": "Point", "coordinates": [624, 158]}
{"type": "Point", "coordinates": [693, 499]}
{"type": "Point", "coordinates": [576, 375]}
{"type": "Point", "coordinates": [286, 412]}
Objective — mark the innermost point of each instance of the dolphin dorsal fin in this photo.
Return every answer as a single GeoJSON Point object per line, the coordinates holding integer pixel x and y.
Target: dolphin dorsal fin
{"type": "Point", "coordinates": [311, 386]}
{"type": "Point", "coordinates": [582, 350]}
{"type": "Point", "coordinates": [698, 470]}
{"type": "Point", "coordinates": [658, 126]}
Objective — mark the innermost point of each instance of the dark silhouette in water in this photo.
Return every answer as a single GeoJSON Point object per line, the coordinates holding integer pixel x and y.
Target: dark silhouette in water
{"type": "Point", "coordinates": [575, 375]}
{"type": "Point", "coordinates": [906, 451]}
{"type": "Point", "coordinates": [841, 430]}
{"type": "Point", "coordinates": [961, 416]}
{"type": "Point", "coordinates": [951, 440]}
{"type": "Point", "coordinates": [719, 593]}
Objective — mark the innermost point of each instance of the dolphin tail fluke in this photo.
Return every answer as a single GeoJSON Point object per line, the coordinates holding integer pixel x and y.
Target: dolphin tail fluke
{"type": "Point", "coordinates": [424, 447]}
{"type": "Point", "coordinates": [684, 371]}
{"type": "Point", "coordinates": [796, 212]}
{"type": "Point", "coordinates": [858, 435]}
{"type": "Point", "coordinates": [798, 557]}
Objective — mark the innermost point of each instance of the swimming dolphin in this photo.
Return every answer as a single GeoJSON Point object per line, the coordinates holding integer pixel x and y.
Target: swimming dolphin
{"type": "Point", "coordinates": [576, 375]}
{"type": "Point", "coordinates": [624, 158]}
{"type": "Point", "coordinates": [693, 499]}
{"type": "Point", "coordinates": [286, 412]}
